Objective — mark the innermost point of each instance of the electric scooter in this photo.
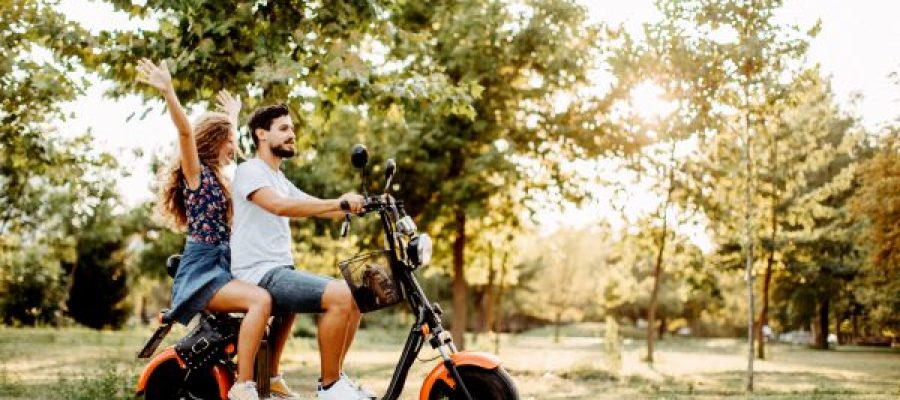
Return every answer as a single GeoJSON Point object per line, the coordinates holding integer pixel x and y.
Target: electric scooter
{"type": "Point", "coordinates": [377, 280]}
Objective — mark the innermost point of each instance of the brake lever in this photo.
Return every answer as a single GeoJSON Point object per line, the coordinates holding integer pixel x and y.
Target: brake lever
{"type": "Point", "coordinates": [345, 227]}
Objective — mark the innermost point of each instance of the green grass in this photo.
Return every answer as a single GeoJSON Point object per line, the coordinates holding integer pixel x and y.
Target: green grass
{"type": "Point", "coordinates": [43, 363]}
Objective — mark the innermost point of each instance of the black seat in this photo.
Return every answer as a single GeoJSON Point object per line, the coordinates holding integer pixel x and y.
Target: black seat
{"type": "Point", "coordinates": [172, 264]}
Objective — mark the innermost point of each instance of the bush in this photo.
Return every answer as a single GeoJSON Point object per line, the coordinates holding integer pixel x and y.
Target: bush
{"type": "Point", "coordinates": [31, 288]}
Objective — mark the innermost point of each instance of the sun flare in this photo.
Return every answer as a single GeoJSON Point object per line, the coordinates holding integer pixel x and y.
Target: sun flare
{"type": "Point", "coordinates": [648, 102]}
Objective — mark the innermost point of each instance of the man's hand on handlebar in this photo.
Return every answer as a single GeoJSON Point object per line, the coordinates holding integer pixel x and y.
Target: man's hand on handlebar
{"type": "Point", "coordinates": [355, 201]}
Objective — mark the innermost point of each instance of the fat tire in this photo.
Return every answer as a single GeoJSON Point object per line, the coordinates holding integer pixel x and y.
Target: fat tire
{"type": "Point", "coordinates": [483, 384]}
{"type": "Point", "coordinates": [171, 382]}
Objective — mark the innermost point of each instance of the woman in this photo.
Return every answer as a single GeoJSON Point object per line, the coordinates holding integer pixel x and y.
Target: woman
{"type": "Point", "coordinates": [195, 195]}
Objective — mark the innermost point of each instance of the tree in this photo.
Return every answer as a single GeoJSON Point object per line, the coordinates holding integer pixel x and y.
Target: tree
{"type": "Point", "coordinates": [34, 81]}
{"type": "Point", "coordinates": [51, 180]}
{"type": "Point", "coordinates": [821, 234]}
{"type": "Point", "coordinates": [562, 270]}
{"type": "Point", "coordinates": [518, 143]}
{"type": "Point", "coordinates": [877, 204]}
{"type": "Point", "coordinates": [741, 56]}
{"type": "Point", "coordinates": [305, 54]}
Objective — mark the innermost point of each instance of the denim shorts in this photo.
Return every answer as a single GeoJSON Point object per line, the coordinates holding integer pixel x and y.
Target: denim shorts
{"type": "Point", "coordinates": [294, 291]}
{"type": "Point", "coordinates": [204, 269]}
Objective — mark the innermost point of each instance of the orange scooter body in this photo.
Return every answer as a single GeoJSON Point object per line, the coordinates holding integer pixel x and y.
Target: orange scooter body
{"type": "Point", "coordinates": [440, 372]}
{"type": "Point", "coordinates": [223, 377]}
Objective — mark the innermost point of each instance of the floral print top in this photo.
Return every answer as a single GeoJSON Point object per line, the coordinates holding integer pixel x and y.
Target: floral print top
{"type": "Point", "coordinates": [206, 209]}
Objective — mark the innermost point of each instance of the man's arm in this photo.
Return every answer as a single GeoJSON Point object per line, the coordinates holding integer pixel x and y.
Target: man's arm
{"type": "Point", "coordinates": [302, 207]}
{"type": "Point", "coordinates": [270, 200]}
{"type": "Point", "coordinates": [331, 214]}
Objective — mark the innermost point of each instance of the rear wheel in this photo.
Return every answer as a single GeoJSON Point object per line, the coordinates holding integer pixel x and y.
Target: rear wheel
{"type": "Point", "coordinates": [482, 384]}
{"type": "Point", "coordinates": [171, 382]}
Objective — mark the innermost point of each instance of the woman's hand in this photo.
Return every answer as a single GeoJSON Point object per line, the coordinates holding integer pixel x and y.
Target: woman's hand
{"type": "Point", "coordinates": [156, 76]}
{"type": "Point", "coordinates": [229, 104]}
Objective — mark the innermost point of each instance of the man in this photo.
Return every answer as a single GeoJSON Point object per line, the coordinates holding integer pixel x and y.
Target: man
{"type": "Point", "coordinates": [264, 200]}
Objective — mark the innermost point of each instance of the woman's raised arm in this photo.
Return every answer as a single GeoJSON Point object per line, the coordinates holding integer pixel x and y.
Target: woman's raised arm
{"type": "Point", "coordinates": [159, 77]}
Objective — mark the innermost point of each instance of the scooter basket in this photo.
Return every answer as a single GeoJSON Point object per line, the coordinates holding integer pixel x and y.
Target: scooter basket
{"type": "Point", "coordinates": [371, 281]}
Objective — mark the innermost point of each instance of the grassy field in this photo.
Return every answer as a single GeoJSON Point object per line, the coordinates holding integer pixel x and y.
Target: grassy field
{"type": "Point", "coordinates": [45, 363]}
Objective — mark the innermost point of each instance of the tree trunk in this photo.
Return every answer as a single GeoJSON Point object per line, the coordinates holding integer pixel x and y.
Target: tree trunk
{"type": "Point", "coordinates": [556, 320]}
{"type": "Point", "coordinates": [822, 339]}
{"type": "Point", "coordinates": [854, 322]}
{"type": "Point", "coordinates": [764, 313]}
{"type": "Point", "coordinates": [459, 281]}
{"type": "Point", "coordinates": [144, 314]}
{"type": "Point", "coordinates": [657, 269]}
{"type": "Point", "coordinates": [499, 320]}
{"type": "Point", "coordinates": [651, 311]}
{"type": "Point", "coordinates": [487, 303]}
{"type": "Point", "coordinates": [767, 279]}
{"type": "Point", "coordinates": [662, 327]}
{"type": "Point", "coordinates": [748, 240]}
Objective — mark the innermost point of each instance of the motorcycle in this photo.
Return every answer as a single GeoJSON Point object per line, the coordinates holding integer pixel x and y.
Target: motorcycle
{"type": "Point", "coordinates": [377, 280]}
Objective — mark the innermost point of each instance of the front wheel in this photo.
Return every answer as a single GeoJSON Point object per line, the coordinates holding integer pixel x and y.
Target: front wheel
{"type": "Point", "coordinates": [483, 384]}
{"type": "Point", "coordinates": [169, 381]}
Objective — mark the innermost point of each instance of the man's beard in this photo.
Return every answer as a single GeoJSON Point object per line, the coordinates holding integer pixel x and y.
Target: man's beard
{"type": "Point", "coordinates": [282, 152]}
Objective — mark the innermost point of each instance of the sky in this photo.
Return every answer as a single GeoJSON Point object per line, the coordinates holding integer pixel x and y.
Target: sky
{"type": "Point", "coordinates": [858, 47]}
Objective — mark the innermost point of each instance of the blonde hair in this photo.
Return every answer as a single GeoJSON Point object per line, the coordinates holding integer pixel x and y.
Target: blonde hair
{"type": "Point", "coordinates": [211, 131]}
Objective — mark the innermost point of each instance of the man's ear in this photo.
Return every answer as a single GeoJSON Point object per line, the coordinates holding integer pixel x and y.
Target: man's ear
{"type": "Point", "coordinates": [261, 134]}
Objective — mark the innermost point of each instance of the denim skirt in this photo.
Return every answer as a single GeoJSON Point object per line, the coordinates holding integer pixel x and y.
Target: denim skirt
{"type": "Point", "coordinates": [203, 270]}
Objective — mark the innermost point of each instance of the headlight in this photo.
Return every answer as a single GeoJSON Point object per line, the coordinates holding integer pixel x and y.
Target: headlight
{"type": "Point", "coordinates": [419, 250]}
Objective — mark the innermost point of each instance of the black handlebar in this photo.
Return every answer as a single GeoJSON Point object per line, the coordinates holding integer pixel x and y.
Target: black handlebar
{"type": "Point", "coordinates": [376, 203]}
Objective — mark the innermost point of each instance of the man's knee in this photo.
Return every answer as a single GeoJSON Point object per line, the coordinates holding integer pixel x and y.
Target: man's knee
{"type": "Point", "coordinates": [337, 297]}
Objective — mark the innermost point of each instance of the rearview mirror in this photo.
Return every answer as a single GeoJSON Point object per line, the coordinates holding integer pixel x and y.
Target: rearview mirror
{"type": "Point", "coordinates": [389, 170]}
{"type": "Point", "coordinates": [359, 156]}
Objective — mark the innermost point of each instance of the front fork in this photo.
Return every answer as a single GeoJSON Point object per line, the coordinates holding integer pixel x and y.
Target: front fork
{"type": "Point", "coordinates": [442, 341]}
{"type": "Point", "coordinates": [447, 350]}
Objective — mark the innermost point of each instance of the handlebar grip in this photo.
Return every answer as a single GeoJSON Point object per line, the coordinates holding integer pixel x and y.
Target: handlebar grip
{"type": "Point", "coordinates": [345, 205]}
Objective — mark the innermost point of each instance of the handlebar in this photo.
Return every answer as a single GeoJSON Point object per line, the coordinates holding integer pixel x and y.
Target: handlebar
{"type": "Point", "coordinates": [376, 203]}
{"type": "Point", "coordinates": [372, 204]}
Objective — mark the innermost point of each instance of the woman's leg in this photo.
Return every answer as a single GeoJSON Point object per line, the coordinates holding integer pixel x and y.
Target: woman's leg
{"type": "Point", "coordinates": [256, 304]}
{"type": "Point", "coordinates": [280, 336]}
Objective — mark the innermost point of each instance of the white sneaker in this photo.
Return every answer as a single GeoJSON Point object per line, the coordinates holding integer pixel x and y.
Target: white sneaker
{"type": "Point", "coordinates": [359, 388]}
{"type": "Point", "coordinates": [243, 391]}
{"type": "Point", "coordinates": [340, 390]}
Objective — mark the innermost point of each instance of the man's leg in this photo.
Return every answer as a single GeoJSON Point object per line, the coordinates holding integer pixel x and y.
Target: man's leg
{"type": "Point", "coordinates": [301, 292]}
{"type": "Point", "coordinates": [352, 327]}
{"type": "Point", "coordinates": [280, 336]}
{"type": "Point", "coordinates": [333, 329]}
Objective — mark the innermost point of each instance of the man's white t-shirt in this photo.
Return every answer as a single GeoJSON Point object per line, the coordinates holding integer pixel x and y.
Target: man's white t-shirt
{"type": "Point", "coordinates": [260, 240]}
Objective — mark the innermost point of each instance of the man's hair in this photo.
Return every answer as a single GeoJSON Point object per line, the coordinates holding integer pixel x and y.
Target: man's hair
{"type": "Point", "coordinates": [262, 118]}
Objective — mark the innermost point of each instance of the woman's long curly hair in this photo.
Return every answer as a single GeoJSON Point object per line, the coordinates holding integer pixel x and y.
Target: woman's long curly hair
{"type": "Point", "coordinates": [211, 131]}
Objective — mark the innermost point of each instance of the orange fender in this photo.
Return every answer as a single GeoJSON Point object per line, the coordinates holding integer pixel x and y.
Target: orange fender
{"type": "Point", "coordinates": [220, 373]}
{"type": "Point", "coordinates": [478, 359]}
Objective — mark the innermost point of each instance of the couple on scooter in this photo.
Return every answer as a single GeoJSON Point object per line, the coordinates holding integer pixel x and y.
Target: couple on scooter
{"type": "Point", "coordinates": [238, 252]}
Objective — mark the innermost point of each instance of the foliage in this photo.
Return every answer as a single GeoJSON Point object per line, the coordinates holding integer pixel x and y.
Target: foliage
{"type": "Point", "coordinates": [876, 203]}
{"type": "Point", "coordinates": [32, 288]}
{"type": "Point", "coordinates": [54, 182]}
{"type": "Point", "coordinates": [35, 77]}
{"type": "Point", "coordinates": [97, 286]}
